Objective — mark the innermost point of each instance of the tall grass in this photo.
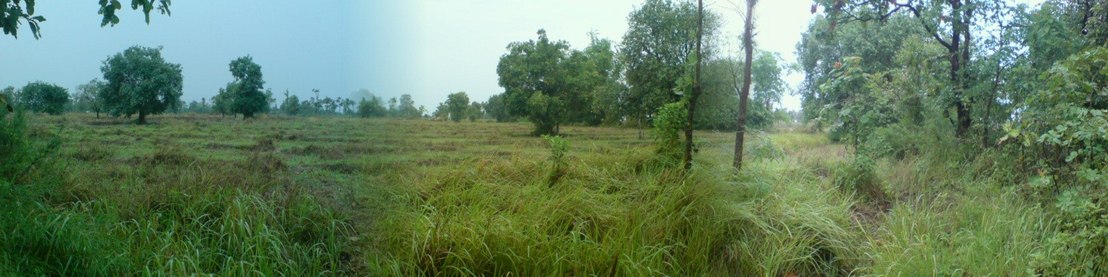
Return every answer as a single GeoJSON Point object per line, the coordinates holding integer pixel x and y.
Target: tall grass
{"type": "Point", "coordinates": [627, 215]}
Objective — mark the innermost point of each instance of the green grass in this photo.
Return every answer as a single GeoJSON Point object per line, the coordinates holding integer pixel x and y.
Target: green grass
{"type": "Point", "coordinates": [193, 194]}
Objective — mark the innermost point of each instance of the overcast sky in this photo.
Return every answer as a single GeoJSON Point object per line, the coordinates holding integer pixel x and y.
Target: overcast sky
{"type": "Point", "coordinates": [427, 48]}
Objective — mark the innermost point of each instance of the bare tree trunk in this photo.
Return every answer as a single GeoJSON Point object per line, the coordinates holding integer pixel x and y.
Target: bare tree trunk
{"type": "Point", "coordinates": [744, 96]}
{"type": "Point", "coordinates": [696, 86]}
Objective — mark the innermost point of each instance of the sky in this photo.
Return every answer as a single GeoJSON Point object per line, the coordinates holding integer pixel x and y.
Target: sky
{"type": "Point", "coordinates": [426, 48]}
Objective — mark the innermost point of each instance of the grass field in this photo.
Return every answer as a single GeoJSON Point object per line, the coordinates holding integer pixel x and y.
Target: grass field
{"type": "Point", "coordinates": [193, 194]}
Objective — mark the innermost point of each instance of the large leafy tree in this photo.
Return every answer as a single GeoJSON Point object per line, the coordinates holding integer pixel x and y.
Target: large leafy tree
{"type": "Point", "coordinates": [140, 81]}
{"type": "Point", "coordinates": [407, 108]}
{"type": "Point", "coordinates": [372, 106]}
{"type": "Point", "coordinates": [497, 108]}
{"type": "Point", "coordinates": [246, 90]}
{"type": "Point", "coordinates": [949, 23]}
{"type": "Point", "coordinates": [457, 104]}
{"type": "Point", "coordinates": [14, 12]}
{"type": "Point", "coordinates": [88, 97]}
{"type": "Point", "coordinates": [534, 75]}
{"type": "Point", "coordinates": [44, 97]}
{"type": "Point", "coordinates": [656, 51]}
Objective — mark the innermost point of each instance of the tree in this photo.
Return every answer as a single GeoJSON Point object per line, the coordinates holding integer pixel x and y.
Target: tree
{"type": "Point", "coordinates": [697, 89]}
{"type": "Point", "coordinates": [497, 108]}
{"type": "Point", "coordinates": [744, 95]}
{"type": "Point", "coordinates": [140, 82]}
{"type": "Point", "coordinates": [222, 103]}
{"type": "Point", "coordinates": [372, 107]}
{"type": "Point", "coordinates": [7, 97]}
{"type": "Point", "coordinates": [245, 91]}
{"type": "Point", "coordinates": [442, 112]}
{"type": "Point", "coordinates": [657, 48]}
{"type": "Point", "coordinates": [291, 106]}
{"type": "Point", "coordinates": [25, 11]}
{"type": "Point", "coordinates": [475, 111]}
{"type": "Point", "coordinates": [407, 108]}
{"type": "Point", "coordinates": [457, 104]}
{"type": "Point", "coordinates": [948, 22]}
{"type": "Point", "coordinates": [43, 97]}
{"type": "Point", "coordinates": [88, 97]}
{"type": "Point", "coordinates": [533, 75]}
{"type": "Point", "coordinates": [392, 107]}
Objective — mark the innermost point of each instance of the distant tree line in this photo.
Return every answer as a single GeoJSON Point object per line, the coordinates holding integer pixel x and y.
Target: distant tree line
{"type": "Point", "coordinates": [550, 84]}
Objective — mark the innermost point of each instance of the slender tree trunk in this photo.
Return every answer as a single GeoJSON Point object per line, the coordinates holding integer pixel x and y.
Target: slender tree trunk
{"type": "Point", "coordinates": [696, 86]}
{"type": "Point", "coordinates": [989, 108]}
{"type": "Point", "coordinates": [744, 96]}
{"type": "Point", "coordinates": [142, 118]}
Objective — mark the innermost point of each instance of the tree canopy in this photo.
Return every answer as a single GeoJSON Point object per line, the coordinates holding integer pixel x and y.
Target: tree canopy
{"type": "Point", "coordinates": [42, 97]}
{"type": "Point", "coordinates": [140, 81]}
{"type": "Point", "coordinates": [245, 91]}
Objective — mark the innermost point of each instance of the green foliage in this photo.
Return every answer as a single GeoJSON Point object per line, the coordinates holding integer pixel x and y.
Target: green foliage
{"type": "Point", "coordinates": [535, 78]}
{"type": "Point", "coordinates": [88, 98]}
{"type": "Point", "coordinates": [245, 91]}
{"type": "Point", "coordinates": [12, 12]}
{"type": "Point", "coordinates": [558, 148]}
{"type": "Point", "coordinates": [140, 81]}
{"type": "Point", "coordinates": [1064, 124]}
{"type": "Point", "coordinates": [498, 109]}
{"type": "Point", "coordinates": [407, 108]}
{"type": "Point", "coordinates": [858, 177]}
{"type": "Point", "coordinates": [861, 105]}
{"type": "Point", "coordinates": [372, 107]}
{"type": "Point", "coordinates": [43, 97]}
{"type": "Point", "coordinates": [291, 105]}
{"type": "Point", "coordinates": [20, 153]}
{"type": "Point", "coordinates": [719, 105]}
{"type": "Point", "coordinates": [457, 104]}
{"type": "Point", "coordinates": [658, 50]}
{"type": "Point", "coordinates": [668, 126]}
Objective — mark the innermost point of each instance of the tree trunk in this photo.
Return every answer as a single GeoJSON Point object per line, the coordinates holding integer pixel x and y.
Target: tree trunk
{"type": "Point", "coordinates": [744, 97]}
{"type": "Point", "coordinates": [142, 118]}
{"type": "Point", "coordinates": [959, 53]}
{"type": "Point", "coordinates": [696, 86]}
{"type": "Point", "coordinates": [989, 108]}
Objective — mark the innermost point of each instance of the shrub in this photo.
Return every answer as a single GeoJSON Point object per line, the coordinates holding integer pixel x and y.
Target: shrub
{"type": "Point", "coordinates": [558, 148]}
{"type": "Point", "coordinates": [858, 176]}
{"type": "Point", "coordinates": [668, 125]}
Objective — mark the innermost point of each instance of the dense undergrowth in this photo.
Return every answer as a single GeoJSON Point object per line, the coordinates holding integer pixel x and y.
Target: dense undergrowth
{"type": "Point", "coordinates": [624, 214]}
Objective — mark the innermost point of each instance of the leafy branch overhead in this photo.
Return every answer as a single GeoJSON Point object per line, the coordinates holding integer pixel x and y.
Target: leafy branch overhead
{"type": "Point", "coordinates": [14, 12]}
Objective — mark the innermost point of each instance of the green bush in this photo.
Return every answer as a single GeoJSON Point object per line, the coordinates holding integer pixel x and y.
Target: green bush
{"type": "Point", "coordinates": [558, 148]}
{"type": "Point", "coordinates": [858, 176]}
{"type": "Point", "coordinates": [668, 124]}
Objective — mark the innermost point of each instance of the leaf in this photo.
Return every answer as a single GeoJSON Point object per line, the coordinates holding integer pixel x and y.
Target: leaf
{"type": "Point", "coordinates": [1072, 156]}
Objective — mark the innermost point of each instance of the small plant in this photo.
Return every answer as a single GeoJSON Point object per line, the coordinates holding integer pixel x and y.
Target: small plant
{"type": "Point", "coordinates": [558, 148]}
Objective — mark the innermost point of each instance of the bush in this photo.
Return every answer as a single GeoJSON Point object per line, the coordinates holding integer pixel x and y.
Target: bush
{"type": "Point", "coordinates": [558, 148]}
{"type": "Point", "coordinates": [668, 125]}
{"type": "Point", "coordinates": [859, 177]}
{"type": "Point", "coordinates": [18, 152]}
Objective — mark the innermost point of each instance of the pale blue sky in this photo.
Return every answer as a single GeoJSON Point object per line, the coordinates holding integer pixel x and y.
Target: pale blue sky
{"type": "Point", "coordinates": [427, 48]}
